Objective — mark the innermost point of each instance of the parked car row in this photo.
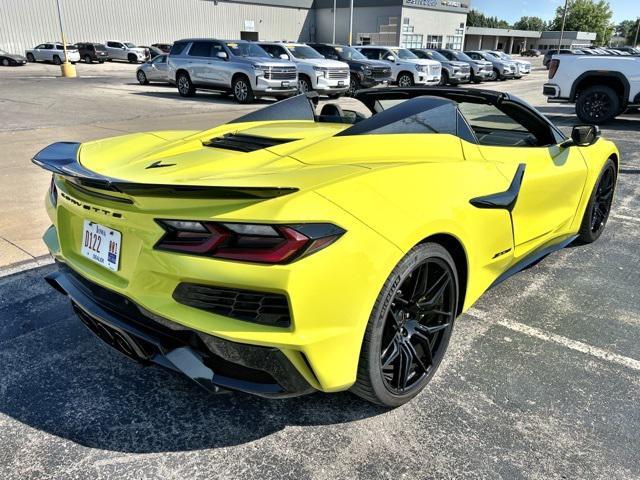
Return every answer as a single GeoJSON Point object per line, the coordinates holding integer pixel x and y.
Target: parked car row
{"type": "Point", "coordinates": [618, 51]}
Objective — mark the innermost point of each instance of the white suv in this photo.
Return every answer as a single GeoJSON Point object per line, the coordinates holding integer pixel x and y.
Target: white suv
{"type": "Point", "coordinates": [406, 68]}
{"type": "Point", "coordinates": [52, 52]}
{"type": "Point", "coordinates": [315, 72]}
{"type": "Point", "coordinates": [126, 51]}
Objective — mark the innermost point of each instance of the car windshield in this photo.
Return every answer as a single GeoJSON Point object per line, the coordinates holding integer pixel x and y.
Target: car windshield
{"type": "Point", "coordinates": [349, 53]}
{"type": "Point", "coordinates": [404, 54]}
{"type": "Point", "coordinates": [433, 55]}
{"type": "Point", "coordinates": [462, 57]}
{"type": "Point", "coordinates": [247, 50]}
{"type": "Point", "coordinates": [129, 45]}
{"type": "Point", "coordinates": [303, 52]}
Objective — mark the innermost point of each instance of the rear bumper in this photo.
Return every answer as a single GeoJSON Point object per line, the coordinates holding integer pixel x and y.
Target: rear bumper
{"type": "Point", "coordinates": [212, 362]}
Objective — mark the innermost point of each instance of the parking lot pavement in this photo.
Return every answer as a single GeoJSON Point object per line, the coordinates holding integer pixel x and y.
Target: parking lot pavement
{"type": "Point", "coordinates": [542, 378]}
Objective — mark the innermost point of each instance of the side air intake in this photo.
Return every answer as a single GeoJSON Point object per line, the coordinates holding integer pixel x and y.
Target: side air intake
{"type": "Point", "coordinates": [245, 143]}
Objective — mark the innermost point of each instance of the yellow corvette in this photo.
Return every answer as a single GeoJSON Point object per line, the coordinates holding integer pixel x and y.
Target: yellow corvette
{"type": "Point", "coordinates": [289, 251]}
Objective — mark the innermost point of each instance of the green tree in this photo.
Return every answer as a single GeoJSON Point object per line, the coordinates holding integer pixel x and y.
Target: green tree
{"type": "Point", "coordinates": [627, 29]}
{"type": "Point", "coordinates": [530, 23]}
{"type": "Point", "coordinates": [586, 16]}
{"type": "Point", "coordinates": [479, 19]}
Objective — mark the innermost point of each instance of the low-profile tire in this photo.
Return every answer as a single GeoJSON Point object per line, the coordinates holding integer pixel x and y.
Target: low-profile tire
{"type": "Point", "coordinates": [87, 59]}
{"type": "Point", "coordinates": [304, 84]}
{"type": "Point", "coordinates": [597, 104]}
{"type": "Point", "coordinates": [405, 80]}
{"type": "Point", "coordinates": [132, 58]}
{"type": "Point", "coordinates": [599, 205]}
{"type": "Point", "coordinates": [31, 58]}
{"type": "Point", "coordinates": [409, 328]}
{"type": "Point", "coordinates": [444, 78]}
{"type": "Point", "coordinates": [242, 91]}
{"type": "Point", "coordinates": [56, 60]}
{"type": "Point", "coordinates": [142, 78]}
{"type": "Point", "coordinates": [185, 85]}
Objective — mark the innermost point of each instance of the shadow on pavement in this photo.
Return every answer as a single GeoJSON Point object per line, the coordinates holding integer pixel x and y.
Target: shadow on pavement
{"type": "Point", "coordinates": [57, 377]}
{"type": "Point", "coordinates": [211, 97]}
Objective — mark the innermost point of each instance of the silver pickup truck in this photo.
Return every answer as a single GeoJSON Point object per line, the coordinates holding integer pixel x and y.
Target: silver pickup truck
{"type": "Point", "coordinates": [240, 68]}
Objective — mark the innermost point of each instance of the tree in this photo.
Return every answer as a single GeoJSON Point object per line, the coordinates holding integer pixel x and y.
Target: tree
{"type": "Point", "coordinates": [627, 29]}
{"type": "Point", "coordinates": [530, 23]}
{"type": "Point", "coordinates": [479, 19]}
{"type": "Point", "coordinates": [586, 16]}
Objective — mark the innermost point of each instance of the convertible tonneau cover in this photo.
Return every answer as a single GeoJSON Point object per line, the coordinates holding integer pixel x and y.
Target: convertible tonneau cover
{"type": "Point", "coordinates": [62, 158]}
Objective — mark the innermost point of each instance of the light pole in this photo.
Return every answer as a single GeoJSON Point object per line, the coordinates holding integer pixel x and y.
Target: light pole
{"type": "Point", "coordinates": [351, 23]}
{"type": "Point", "coordinates": [564, 17]}
{"type": "Point", "coordinates": [334, 22]}
{"type": "Point", "coordinates": [68, 70]}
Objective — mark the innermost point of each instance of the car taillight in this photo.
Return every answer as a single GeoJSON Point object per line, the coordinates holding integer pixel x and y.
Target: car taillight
{"type": "Point", "coordinates": [53, 191]}
{"type": "Point", "coordinates": [553, 67]}
{"type": "Point", "coordinates": [247, 242]}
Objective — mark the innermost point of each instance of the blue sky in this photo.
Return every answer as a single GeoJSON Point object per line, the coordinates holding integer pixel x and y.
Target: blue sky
{"type": "Point", "coordinates": [512, 10]}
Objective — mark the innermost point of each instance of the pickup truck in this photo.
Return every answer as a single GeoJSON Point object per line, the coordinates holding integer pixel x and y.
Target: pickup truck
{"type": "Point", "coordinates": [602, 87]}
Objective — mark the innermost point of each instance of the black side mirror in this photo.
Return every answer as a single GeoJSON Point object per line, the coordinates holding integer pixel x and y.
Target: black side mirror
{"type": "Point", "coordinates": [585, 135]}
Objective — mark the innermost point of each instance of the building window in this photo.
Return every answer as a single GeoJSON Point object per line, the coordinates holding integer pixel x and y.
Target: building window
{"type": "Point", "coordinates": [434, 41]}
{"type": "Point", "coordinates": [411, 41]}
{"type": "Point", "coordinates": [454, 42]}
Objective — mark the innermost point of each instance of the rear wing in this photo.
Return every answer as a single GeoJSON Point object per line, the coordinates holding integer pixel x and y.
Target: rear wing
{"type": "Point", "coordinates": [62, 158]}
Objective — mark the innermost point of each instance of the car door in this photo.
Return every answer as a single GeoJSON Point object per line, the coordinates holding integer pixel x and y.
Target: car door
{"type": "Point", "coordinates": [160, 69]}
{"type": "Point", "coordinates": [46, 54]}
{"type": "Point", "coordinates": [220, 70]}
{"type": "Point", "coordinates": [523, 145]}
{"type": "Point", "coordinates": [37, 52]}
{"type": "Point", "coordinates": [197, 58]}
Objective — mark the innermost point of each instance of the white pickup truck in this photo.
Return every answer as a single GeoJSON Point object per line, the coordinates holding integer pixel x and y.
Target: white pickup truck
{"type": "Point", "coordinates": [601, 86]}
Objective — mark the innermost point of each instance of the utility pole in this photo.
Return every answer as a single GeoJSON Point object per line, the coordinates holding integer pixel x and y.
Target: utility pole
{"type": "Point", "coordinates": [68, 70]}
{"type": "Point", "coordinates": [334, 21]}
{"type": "Point", "coordinates": [564, 17]}
{"type": "Point", "coordinates": [635, 40]}
{"type": "Point", "coordinates": [351, 23]}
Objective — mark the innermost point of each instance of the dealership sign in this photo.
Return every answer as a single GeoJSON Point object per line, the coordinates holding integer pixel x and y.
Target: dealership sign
{"type": "Point", "coordinates": [447, 4]}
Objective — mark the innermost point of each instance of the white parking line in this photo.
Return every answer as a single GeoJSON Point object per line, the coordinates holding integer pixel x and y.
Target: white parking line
{"type": "Point", "coordinates": [581, 347]}
{"type": "Point", "coordinates": [625, 217]}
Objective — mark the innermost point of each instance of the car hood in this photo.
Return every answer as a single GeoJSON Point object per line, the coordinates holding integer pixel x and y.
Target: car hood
{"type": "Point", "coordinates": [369, 63]}
{"type": "Point", "coordinates": [267, 62]}
{"type": "Point", "coordinates": [455, 63]}
{"type": "Point", "coordinates": [421, 61]}
{"type": "Point", "coordinates": [323, 62]}
{"type": "Point", "coordinates": [18, 58]}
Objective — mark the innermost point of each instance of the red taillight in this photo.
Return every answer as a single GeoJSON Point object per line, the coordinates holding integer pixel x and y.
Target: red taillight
{"type": "Point", "coordinates": [247, 242]}
{"type": "Point", "coordinates": [553, 67]}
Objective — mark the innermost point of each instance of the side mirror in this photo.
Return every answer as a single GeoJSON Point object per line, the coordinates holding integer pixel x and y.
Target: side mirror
{"type": "Point", "coordinates": [284, 56]}
{"type": "Point", "coordinates": [390, 58]}
{"type": "Point", "coordinates": [585, 135]}
{"type": "Point", "coordinates": [222, 55]}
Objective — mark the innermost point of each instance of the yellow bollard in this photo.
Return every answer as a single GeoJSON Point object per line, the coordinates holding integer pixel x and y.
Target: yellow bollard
{"type": "Point", "coordinates": [68, 70]}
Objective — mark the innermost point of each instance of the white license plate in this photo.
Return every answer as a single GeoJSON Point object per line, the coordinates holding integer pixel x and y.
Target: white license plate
{"type": "Point", "coordinates": [340, 83]}
{"type": "Point", "coordinates": [101, 245]}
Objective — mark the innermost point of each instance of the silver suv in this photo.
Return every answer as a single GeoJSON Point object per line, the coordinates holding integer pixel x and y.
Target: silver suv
{"type": "Point", "coordinates": [233, 66]}
{"type": "Point", "coordinates": [502, 69]}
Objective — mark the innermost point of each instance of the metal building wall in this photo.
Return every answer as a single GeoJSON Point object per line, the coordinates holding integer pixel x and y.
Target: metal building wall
{"type": "Point", "coordinates": [26, 23]}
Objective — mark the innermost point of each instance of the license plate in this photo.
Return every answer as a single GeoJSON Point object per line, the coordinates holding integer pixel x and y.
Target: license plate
{"type": "Point", "coordinates": [285, 84]}
{"type": "Point", "coordinates": [101, 245]}
{"type": "Point", "coordinates": [341, 83]}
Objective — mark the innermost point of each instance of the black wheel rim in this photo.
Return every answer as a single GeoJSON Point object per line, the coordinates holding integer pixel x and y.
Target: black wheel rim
{"type": "Point", "coordinates": [597, 105]}
{"type": "Point", "coordinates": [417, 326]}
{"type": "Point", "coordinates": [602, 200]}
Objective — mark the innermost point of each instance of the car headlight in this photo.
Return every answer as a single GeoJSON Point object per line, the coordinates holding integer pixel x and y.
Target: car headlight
{"type": "Point", "coordinates": [456, 69]}
{"type": "Point", "coordinates": [367, 71]}
{"type": "Point", "coordinates": [320, 71]}
{"type": "Point", "coordinates": [422, 68]}
{"type": "Point", "coordinates": [259, 69]}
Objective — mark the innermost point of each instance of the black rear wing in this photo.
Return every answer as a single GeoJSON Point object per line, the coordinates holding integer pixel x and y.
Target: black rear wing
{"type": "Point", "coordinates": [62, 158]}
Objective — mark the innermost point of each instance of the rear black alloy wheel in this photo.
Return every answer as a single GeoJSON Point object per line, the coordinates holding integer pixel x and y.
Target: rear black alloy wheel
{"type": "Point", "coordinates": [597, 104]}
{"type": "Point", "coordinates": [597, 211]}
{"type": "Point", "coordinates": [410, 326]}
{"type": "Point", "coordinates": [242, 91]}
{"type": "Point", "coordinates": [142, 78]}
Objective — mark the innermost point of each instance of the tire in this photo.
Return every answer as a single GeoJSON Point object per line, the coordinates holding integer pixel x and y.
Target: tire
{"type": "Point", "coordinates": [354, 86]}
{"type": "Point", "coordinates": [132, 58]}
{"type": "Point", "coordinates": [31, 58]}
{"type": "Point", "coordinates": [334, 96]}
{"type": "Point", "coordinates": [304, 85]}
{"type": "Point", "coordinates": [405, 80]}
{"type": "Point", "coordinates": [142, 78]}
{"type": "Point", "coordinates": [495, 76]}
{"type": "Point", "coordinates": [597, 104]}
{"type": "Point", "coordinates": [397, 335]}
{"type": "Point", "coordinates": [599, 205]}
{"type": "Point", "coordinates": [185, 85]}
{"type": "Point", "coordinates": [100, 62]}
{"type": "Point", "coordinates": [5, 62]}
{"type": "Point", "coordinates": [474, 78]}
{"type": "Point", "coordinates": [87, 59]}
{"type": "Point", "coordinates": [444, 78]}
{"type": "Point", "coordinates": [56, 60]}
{"type": "Point", "coordinates": [242, 91]}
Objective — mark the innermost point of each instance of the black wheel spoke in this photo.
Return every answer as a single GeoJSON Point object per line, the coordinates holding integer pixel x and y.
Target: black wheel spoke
{"type": "Point", "coordinates": [426, 345]}
{"type": "Point", "coordinates": [390, 353]}
{"type": "Point", "coordinates": [432, 330]}
{"type": "Point", "coordinates": [420, 284]}
{"type": "Point", "coordinates": [404, 368]}
{"type": "Point", "coordinates": [435, 292]}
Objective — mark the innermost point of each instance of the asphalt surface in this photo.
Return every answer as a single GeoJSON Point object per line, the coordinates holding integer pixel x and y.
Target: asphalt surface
{"type": "Point", "coordinates": [541, 380]}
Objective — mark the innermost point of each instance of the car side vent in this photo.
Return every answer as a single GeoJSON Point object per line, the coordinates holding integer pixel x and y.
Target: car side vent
{"type": "Point", "coordinates": [245, 143]}
{"type": "Point", "coordinates": [257, 307]}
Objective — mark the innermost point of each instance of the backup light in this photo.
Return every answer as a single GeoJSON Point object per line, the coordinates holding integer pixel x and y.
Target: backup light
{"type": "Point", "coordinates": [247, 242]}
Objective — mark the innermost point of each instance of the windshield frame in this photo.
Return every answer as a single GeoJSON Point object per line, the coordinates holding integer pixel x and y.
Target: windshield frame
{"type": "Point", "coordinates": [341, 49]}
{"type": "Point", "coordinates": [436, 54]}
{"type": "Point", "coordinates": [408, 54]}
{"type": "Point", "coordinates": [292, 48]}
{"type": "Point", "coordinates": [465, 57]}
{"type": "Point", "coordinates": [129, 45]}
{"type": "Point", "coordinates": [259, 53]}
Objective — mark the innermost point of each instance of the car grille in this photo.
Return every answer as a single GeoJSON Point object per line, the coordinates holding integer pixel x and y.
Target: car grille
{"type": "Point", "coordinates": [434, 69]}
{"type": "Point", "coordinates": [465, 68]}
{"type": "Point", "coordinates": [486, 68]}
{"type": "Point", "coordinates": [258, 307]}
{"type": "Point", "coordinates": [380, 72]}
{"type": "Point", "coordinates": [337, 73]}
{"type": "Point", "coordinates": [281, 73]}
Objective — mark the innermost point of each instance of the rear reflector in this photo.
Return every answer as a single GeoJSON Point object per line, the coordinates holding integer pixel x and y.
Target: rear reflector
{"type": "Point", "coordinates": [247, 242]}
{"type": "Point", "coordinates": [553, 67]}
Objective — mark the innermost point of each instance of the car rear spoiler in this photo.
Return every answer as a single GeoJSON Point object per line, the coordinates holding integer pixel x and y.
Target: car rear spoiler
{"type": "Point", "coordinates": [62, 159]}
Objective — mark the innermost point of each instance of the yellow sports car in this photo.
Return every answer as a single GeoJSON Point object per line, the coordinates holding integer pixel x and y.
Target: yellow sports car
{"type": "Point", "coordinates": [289, 251]}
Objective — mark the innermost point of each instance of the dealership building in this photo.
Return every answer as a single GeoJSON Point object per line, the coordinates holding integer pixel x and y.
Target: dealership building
{"type": "Point", "coordinates": [435, 23]}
